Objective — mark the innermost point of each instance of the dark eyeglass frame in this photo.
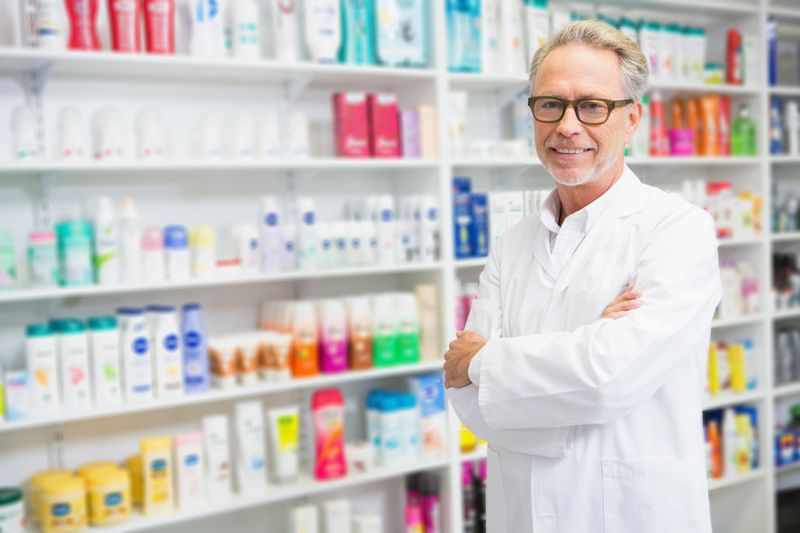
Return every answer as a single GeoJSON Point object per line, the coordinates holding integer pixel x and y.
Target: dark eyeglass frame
{"type": "Point", "coordinates": [612, 105]}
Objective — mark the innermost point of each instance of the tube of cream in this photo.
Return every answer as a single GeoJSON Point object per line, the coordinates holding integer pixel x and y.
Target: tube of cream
{"type": "Point", "coordinates": [190, 470]}
{"type": "Point", "coordinates": [284, 436]}
{"type": "Point", "coordinates": [218, 458]}
{"type": "Point", "coordinates": [251, 463]}
{"type": "Point", "coordinates": [328, 412]}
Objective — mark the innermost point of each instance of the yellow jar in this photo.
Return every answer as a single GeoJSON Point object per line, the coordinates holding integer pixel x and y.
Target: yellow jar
{"type": "Point", "coordinates": [109, 496]}
{"type": "Point", "coordinates": [85, 470]}
{"type": "Point", "coordinates": [133, 465]}
{"type": "Point", "coordinates": [63, 505]}
{"type": "Point", "coordinates": [35, 484]}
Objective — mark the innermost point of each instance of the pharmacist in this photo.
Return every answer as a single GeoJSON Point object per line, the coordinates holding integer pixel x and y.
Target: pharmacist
{"type": "Point", "coordinates": [592, 406]}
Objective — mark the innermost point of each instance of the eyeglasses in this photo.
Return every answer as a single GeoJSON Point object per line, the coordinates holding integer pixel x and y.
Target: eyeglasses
{"type": "Point", "coordinates": [590, 111]}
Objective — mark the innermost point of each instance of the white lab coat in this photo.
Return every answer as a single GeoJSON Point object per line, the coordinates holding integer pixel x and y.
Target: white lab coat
{"type": "Point", "coordinates": [595, 425]}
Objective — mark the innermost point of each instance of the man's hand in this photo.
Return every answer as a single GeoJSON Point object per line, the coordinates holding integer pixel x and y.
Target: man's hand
{"type": "Point", "coordinates": [627, 301]}
{"type": "Point", "coordinates": [459, 356]}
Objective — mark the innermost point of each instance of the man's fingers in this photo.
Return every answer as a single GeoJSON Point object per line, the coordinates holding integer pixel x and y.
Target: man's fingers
{"type": "Point", "coordinates": [460, 334]}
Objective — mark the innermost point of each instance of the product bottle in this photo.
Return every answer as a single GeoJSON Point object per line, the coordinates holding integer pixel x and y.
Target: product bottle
{"type": "Point", "coordinates": [75, 253]}
{"type": "Point", "coordinates": [125, 32]}
{"type": "Point", "coordinates": [431, 505]}
{"type": "Point", "coordinates": [537, 19]}
{"type": "Point", "coordinates": [305, 359]}
{"type": "Point", "coordinates": [82, 17]}
{"type": "Point", "coordinates": [414, 519]}
{"type": "Point", "coordinates": [42, 259]}
{"type": "Point", "coordinates": [360, 333]}
{"type": "Point", "coordinates": [491, 58]}
{"type": "Point", "coordinates": [724, 126]}
{"type": "Point", "coordinates": [384, 218]}
{"type": "Point", "coordinates": [104, 343]}
{"type": "Point", "coordinates": [307, 237]}
{"type": "Point", "coordinates": [25, 146]}
{"type": "Point", "coordinates": [658, 127]}
{"type": "Point", "coordinates": [73, 354]}
{"type": "Point", "coordinates": [150, 136]}
{"type": "Point", "coordinates": [167, 355]}
{"type": "Point", "coordinates": [159, 25]}
{"type": "Point", "coordinates": [270, 239]}
{"type": "Point", "coordinates": [333, 336]}
{"type": "Point", "coordinates": [775, 127]}
{"type": "Point", "coordinates": [72, 140]}
{"type": "Point", "coordinates": [407, 344]}
{"type": "Point", "coordinates": [176, 247]}
{"type": "Point", "coordinates": [49, 33]}
{"type": "Point", "coordinates": [106, 248]}
{"type": "Point", "coordinates": [8, 261]}
{"type": "Point", "coordinates": [323, 29]}
{"type": "Point", "coordinates": [41, 358]}
{"type": "Point", "coordinates": [136, 353]}
{"type": "Point", "coordinates": [793, 128]}
{"type": "Point", "coordinates": [384, 332]}
{"type": "Point", "coordinates": [327, 407]}
{"type": "Point", "coordinates": [358, 33]}
{"type": "Point", "coordinates": [284, 18]}
{"type": "Point", "coordinates": [131, 240]}
{"type": "Point", "coordinates": [734, 64]}
{"type": "Point", "coordinates": [772, 51]}
{"type": "Point", "coordinates": [247, 247]}
{"type": "Point", "coordinates": [401, 29]}
{"type": "Point", "coordinates": [202, 239]}
{"type": "Point", "coordinates": [468, 497]}
{"type": "Point", "coordinates": [195, 350]}
{"type": "Point", "coordinates": [480, 495]}
{"type": "Point", "coordinates": [730, 442]}
{"type": "Point", "coordinates": [511, 33]}
{"type": "Point", "coordinates": [244, 29]}
{"type": "Point", "coordinates": [153, 266]}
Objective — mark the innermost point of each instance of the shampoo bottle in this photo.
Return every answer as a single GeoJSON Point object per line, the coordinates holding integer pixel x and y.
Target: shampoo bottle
{"type": "Point", "coordinates": [82, 31]}
{"type": "Point", "coordinates": [323, 29]}
{"type": "Point", "coordinates": [358, 29]}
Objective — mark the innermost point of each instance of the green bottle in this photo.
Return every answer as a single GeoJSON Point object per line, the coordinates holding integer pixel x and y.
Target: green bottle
{"type": "Point", "coordinates": [743, 133]}
{"type": "Point", "coordinates": [407, 348]}
{"type": "Point", "coordinates": [384, 333]}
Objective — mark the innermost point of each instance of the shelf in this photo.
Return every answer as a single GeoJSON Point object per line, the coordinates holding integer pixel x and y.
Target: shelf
{"type": "Point", "coordinates": [784, 159]}
{"type": "Point", "coordinates": [788, 389]}
{"type": "Point", "coordinates": [272, 494]}
{"type": "Point", "coordinates": [695, 88]}
{"type": "Point", "coordinates": [792, 467]}
{"type": "Point", "coordinates": [27, 295]}
{"type": "Point", "coordinates": [692, 161]}
{"type": "Point", "coordinates": [740, 241]}
{"type": "Point", "coordinates": [725, 399]}
{"type": "Point", "coordinates": [194, 167]}
{"type": "Point", "coordinates": [515, 162]}
{"type": "Point", "coordinates": [785, 237]}
{"type": "Point", "coordinates": [216, 395]}
{"type": "Point", "coordinates": [108, 65]}
{"type": "Point", "coordinates": [477, 454]}
{"type": "Point", "coordinates": [477, 262]}
{"type": "Point", "coordinates": [786, 313]}
{"type": "Point", "coordinates": [735, 322]}
{"type": "Point", "coordinates": [717, 484]}
{"type": "Point", "coordinates": [784, 12]}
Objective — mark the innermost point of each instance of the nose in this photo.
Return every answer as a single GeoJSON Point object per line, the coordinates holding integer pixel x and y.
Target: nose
{"type": "Point", "coordinates": [569, 125]}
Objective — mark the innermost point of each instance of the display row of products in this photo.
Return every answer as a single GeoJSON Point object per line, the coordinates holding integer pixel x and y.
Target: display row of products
{"type": "Point", "coordinates": [698, 127]}
{"type": "Point", "coordinates": [786, 280]}
{"type": "Point", "coordinates": [473, 495]}
{"type": "Point", "coordinates": [519, 145]}
{"type": "Point", "coordinates": [785, 211]}
{"type": "Point", "coordinates": [480, 218]}
{"type": "Point", "coordinates": [784, 127]}
{"type": "Point", "coordinates": [732, 446]}
{"type": "Point", "coordinates": [787, 355]}
{"type": "Point", "coordinates": [371, 125]}
{"type": "Point", "coordinates": [736, 215]}
{"type": "Point", "coordinates": [134, 357]}
{"type": "Point", "coordinates": [188, 470]}
{"type": "Point", "coordinates": [108, 246]}
{"type": "Point", "coordinates": [739, 290]}
{"type": "Point", "coordinates": [142, 355]}
{"type": "Point", "coordinates": [337, 516]}
{"type": "Point", "coordinates": [732, 367]}
{"type": "Point", "coordinates": [787, 437]}
{"type": "Point", "coordinates": [324, 31]}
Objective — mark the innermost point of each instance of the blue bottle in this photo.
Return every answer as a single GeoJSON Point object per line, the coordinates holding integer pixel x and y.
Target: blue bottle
{"type": "Point", "coordinates": [472, 54]}
{"type": "Point", "coordinates": [358, 32]}
{"type": "Point", "coordinates": [479, 233]}
{"type": "Point", "coordinates": [195, 350]}
{"type": "Point", "coordinates": [462, 218]}
{"type": "Point", "coordinates": [772, 51]}
{"type": "Point", "coordinates": [459, 35]}
{"type": "Point", "coordinates": [775, 127]}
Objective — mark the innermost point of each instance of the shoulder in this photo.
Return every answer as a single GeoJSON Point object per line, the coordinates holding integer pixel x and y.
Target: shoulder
{"type": "Point", "coordinates": [669, 215]}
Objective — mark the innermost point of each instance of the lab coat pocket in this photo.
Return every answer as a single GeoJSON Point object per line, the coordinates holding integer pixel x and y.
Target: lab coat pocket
{"type": "Point", "coordinates": [655, 496]}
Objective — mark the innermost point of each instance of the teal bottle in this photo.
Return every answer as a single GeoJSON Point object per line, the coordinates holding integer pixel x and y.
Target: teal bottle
{"type": "Point", "coordinates": [358, 32]}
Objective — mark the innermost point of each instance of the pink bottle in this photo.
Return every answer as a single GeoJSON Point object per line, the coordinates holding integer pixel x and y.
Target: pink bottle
{"type": "Point", "coordinates": [414, 518]}
{"type": "Point", "coordinates": [659, 143]}
{"type": "Point", "coordinates": [159, 25]}
{"type": "Point", "coordinates": [124, 16]}
{"type": "Point", "coordinates": [327, 411]}
{"type": "Point", "coordinates": [332, 336]}
{"type": "Point", "coordinates": [431, 506]}
{"type": "Point", "coordinates": [82, 30]}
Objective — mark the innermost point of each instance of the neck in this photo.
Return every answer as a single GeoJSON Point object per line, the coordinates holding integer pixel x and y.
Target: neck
{"type": "Point", "coordinates": [575, 198]}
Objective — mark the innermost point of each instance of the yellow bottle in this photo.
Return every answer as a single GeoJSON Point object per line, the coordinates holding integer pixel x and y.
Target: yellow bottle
{"type": "Point", "coordinates": [713, 369]}
{"type": "Point", "coordinates": [109, 496]}
{"type": "Point", "coordinates": [133, 465]}
{"type": "Point", "coordinates": [738, 371]}
{"type": "Point", "coordinates": [62, 504]}
{"type": "Point", "coordinates": [745, 444]}
{"type": "Point", "coordinates": [35, 485]}
{"type": "Point", "coordinates": [157, 495]}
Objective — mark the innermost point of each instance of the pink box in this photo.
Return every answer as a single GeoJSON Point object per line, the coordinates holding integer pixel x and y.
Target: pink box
{"type": "Point", "coordinates": [351, 126]}
{"type": "Point", "coordinates": [384, 138]}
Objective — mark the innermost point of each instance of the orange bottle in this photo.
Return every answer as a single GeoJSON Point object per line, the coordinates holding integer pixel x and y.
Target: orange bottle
{"type": "Point", "coordinates": [716, 449]}
{"type": "Point", "coordinates": [677, 114]}
{"type": "Point", "coordinates": [709, 125]}
{"type": "Point", "coordinates": [305, 341]}
{"type": "Point", "coordinates": [693, 121]}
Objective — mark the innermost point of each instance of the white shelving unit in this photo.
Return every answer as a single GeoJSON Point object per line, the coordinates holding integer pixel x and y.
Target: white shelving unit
{"type": "Point", "coordinates": [750, 495]}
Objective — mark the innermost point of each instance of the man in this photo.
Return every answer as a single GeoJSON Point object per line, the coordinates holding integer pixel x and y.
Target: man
{"type": "Point", "coordinates": [593, 414]}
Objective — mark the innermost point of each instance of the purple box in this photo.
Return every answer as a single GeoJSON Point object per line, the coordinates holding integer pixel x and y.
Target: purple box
{"type": "Point", "coordinates": [409, 132]}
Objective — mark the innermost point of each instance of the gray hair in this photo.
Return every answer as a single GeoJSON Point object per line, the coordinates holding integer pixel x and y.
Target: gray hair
{"type": "Point", "coordinates": [595, 34]}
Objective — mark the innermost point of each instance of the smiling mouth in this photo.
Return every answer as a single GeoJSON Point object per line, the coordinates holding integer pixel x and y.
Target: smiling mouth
{"type": "Point", "coordinates": [567, 151]}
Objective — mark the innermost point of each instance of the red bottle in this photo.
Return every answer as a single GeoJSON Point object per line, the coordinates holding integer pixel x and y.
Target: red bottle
{"type": "Point", "coordinates": [159, 26]}
{"type": "Point", "coordinates": [125, 33]}
{"type": "Point", "coordinates": [82, 30]}
{"type": "Point", "coordinates": [734, 62]}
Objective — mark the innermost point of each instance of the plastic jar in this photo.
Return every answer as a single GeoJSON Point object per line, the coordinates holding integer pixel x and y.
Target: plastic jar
{"type": "Point", "coordinates": [109, 496]}
{"type": "Point", "coordinates": [35, 484]}
{"type": "Point", "coordinates": [12, 510]}
{"type": "Point", "coordinates": [63, 505]}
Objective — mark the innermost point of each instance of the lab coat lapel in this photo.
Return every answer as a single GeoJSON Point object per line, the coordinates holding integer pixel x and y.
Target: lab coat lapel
{"type": "Point", "coordinates": [541, 250]}
{"type": "Point", "coordinates": [627, 200]}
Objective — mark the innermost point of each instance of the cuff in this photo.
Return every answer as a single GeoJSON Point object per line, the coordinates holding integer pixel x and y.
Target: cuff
{"type": "Point", "coordinates": [474, 370]}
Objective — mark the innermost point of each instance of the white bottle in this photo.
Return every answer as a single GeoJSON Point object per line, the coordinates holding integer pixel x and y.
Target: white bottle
{"type": "Point", "coordinates": [339, 231]}
{"type": "Point", "coordinates": [73, 355]}
{"type": "Point", "coordinates": [205, 23]}
{"type": "Point", "coordinates": [106, 370]}
{"type": "Point", "coordinates": [72, 140]}
{"type": "Point", "coordinates": [384, 218]}
{"type": "Point", "coordinates": [288, 247]}
{"type": "Point", "coordinates": [153, 263]}
{"type": "Point", "coordinates": [136, 355]}
{"type": "Point", "coordinates": [270, 235]}
{"type": "Point", "coordinates": [270, 145]}
{"type": "Point", "coordinates": [426, 216]}
{"type": "Point", "coordinates": [369, 231]}
{"type": "Point", "coordinates": [409, 413]}
{"type": "Point", "coordinates": [491, 60]}
{"type": "Point", "coordinates": [730, 443]}
{"type": "Point", "coordinates": [210, 145]}
{"type": "Point", "coordinates": [391, 430]}
{"type": "Point", "coordinates": [23, 124]}
{"type": "Point", "coordinates": [512, 43]}
{"type": "Point", "coordinates": [325, 256]}
{"type": "Point", "coordinates": [42, 363]}
{"type": "Point", "coordinates": [793, 127]}
{"type": "Point", "coordinates": [298, 146]}
{"type": "Point", "coordinates": [105, 243]}
{"type": "Point", "coordinates": [245, 29]}
{"type": "Point", "coordinates": [537, 19]}
{"type": "Point", "coordinates": [131, 242]}
{"type": "Point", "coordinates": [284, 20]}
{"type": "Point", "coordinates": [323, 29]}
{"type": "Point", "coordinates": [356, 244]}
{"type": "Point", "coordinates": [167, 353]}
{"type": "Point", "coordinates": [307, 238]}
{"type": "Point", "coordinates": [203, 239]}
{"type": "Point", "coordinates": [48, 25]}
{"type": "Point", "coordinates": [243, 139]}
{"type": "Point", "coordinates": [107, 134]}
{"type": "Point", "coordinates": [150, 136]}
{"type": "Point", "coordinates": [248, 250]}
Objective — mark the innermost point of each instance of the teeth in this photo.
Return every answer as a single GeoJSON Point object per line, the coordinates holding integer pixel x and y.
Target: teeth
{"type": "Point", "coordinates": [562, 151]}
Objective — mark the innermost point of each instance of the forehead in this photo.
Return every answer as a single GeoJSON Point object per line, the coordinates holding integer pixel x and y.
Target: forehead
{"type": "Point", "coordinates": [575, 71]}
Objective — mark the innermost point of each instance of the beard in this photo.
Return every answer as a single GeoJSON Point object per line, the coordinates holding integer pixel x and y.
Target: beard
{"type": "Point", "coordinates": [567, 177]}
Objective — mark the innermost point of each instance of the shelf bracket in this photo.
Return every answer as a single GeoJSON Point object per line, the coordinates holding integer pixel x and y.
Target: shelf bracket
{"type": "Point", "coordinates": [56, 447]}
{"type": "Point", "coordinates": [295, 86]}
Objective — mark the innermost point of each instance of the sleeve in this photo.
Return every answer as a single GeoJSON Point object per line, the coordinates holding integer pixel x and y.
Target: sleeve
{"type": "Point", "coordinates": [485, 318]}
{"type": "Point", "coordinates": [601, 371]}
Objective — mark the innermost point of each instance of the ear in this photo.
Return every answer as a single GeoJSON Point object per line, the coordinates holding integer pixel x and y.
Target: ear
{"type": "Point", "coordinates": [632, 119]}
